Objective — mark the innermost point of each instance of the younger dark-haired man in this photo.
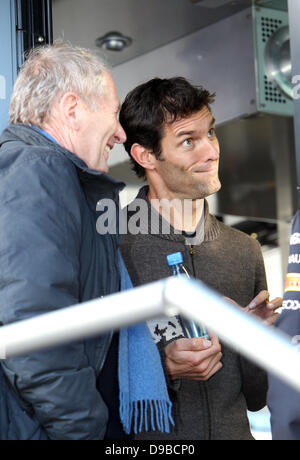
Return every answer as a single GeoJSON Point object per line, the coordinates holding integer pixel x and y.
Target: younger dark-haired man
{"type": "Point", "coordinates": [172, 142]}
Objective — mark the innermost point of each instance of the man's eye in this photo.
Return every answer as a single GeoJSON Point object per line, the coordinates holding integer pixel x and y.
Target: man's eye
{"type": "Point", "coordinates": [212, 132]}
{"type": "Point", "coordinates": [188, 142]}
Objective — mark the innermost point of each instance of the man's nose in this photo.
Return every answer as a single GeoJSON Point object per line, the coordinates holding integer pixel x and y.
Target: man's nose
{"type": "Point", "coordinates": [120, 135]}
{"type": "Point", "coordinates": [212, 150]}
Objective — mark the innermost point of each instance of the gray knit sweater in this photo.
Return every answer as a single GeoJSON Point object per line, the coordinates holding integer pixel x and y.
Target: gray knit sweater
{"type": "Point", "coordinates": [230, 262]}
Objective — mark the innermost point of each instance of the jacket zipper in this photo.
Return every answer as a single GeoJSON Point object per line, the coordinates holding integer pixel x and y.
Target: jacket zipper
{"type": "Point", "coordinates": [101, 361]}
{"type": "Point", "coordinates": [192, 253]}
{"type": "Point", "coordinates": [208, 409]}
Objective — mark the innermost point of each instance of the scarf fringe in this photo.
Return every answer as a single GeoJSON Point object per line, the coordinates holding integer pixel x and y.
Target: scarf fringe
{"type": "Point", "coordinates": [136, 413]}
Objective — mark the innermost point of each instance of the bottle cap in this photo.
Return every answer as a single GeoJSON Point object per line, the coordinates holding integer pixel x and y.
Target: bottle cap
{"type": "Point", "coordinates": [175, 258]}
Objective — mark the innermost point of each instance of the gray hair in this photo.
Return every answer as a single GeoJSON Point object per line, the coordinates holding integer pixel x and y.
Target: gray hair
{"type": "Point", "coordinates": [48, 73]}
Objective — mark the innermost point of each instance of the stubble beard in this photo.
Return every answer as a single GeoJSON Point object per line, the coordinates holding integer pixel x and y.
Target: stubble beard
{"type": "Point", "coordinates": [190, 188]}
{"type": "Point", "coordinates": [200, 190]}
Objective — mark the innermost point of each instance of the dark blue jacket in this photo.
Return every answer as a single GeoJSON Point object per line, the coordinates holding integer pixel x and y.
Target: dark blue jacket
{"type": "Point", "coordinates": [51, 257]}
{"type": "Point", "coordinates": [283, 401]}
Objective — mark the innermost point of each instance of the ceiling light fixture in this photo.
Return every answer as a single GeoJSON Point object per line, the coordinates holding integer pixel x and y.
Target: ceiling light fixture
{"type": "Point", "coordinates": [114, 41]}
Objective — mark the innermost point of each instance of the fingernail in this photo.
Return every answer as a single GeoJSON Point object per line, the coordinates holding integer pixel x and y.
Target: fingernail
{"type": "Point", "coordinates": [252, 305]}
{"type": "Point", "coordinates": [206, 343]}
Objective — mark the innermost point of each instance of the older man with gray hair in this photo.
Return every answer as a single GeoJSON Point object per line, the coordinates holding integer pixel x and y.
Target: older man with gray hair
{"type": "Point", "coordinates": [53, 165]}
{"type": "Point", "coordinates": [53, 156]}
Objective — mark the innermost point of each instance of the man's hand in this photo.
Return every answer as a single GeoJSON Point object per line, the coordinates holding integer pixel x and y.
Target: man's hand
{"type": "Point", "coordinates": [195, 359]}
{"type": "Point", "coordinates": [263, 309]}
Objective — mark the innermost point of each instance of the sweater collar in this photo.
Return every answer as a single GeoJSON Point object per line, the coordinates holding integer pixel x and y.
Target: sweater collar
{"type": "Point", "coordinates": [210, 225]}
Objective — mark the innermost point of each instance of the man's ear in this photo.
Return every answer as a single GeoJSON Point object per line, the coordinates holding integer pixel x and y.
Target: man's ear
{"type": "Point", "coordinates": [70, 109]}
{"type": "Point", "coordinates": [142, 156]}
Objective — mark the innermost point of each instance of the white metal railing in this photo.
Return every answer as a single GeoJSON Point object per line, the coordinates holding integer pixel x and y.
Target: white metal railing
{"type": "Point", "coordinates": [265, 346]}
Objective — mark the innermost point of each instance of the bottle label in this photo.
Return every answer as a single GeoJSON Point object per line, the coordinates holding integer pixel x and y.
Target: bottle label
{"type": "Point", "coordinates": [165, 329]}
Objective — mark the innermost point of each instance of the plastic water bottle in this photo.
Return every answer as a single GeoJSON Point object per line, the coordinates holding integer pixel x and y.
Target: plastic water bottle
{"type": "Point", "coordinates": [190, 328]}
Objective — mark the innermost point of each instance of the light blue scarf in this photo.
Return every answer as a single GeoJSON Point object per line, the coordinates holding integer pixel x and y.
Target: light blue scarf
{"type": "Point", "coordinates": [144, 397]}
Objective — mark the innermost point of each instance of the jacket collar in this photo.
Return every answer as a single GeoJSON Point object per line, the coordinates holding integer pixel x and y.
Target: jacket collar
{"type": "Point", "coordinates": [32, 136]}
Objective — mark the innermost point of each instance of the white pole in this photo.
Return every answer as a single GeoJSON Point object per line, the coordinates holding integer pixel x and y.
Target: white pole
{"type": "Point", "coordinates": [263, 345]}
{"type": "Point", "coordinates": [83, 320]}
